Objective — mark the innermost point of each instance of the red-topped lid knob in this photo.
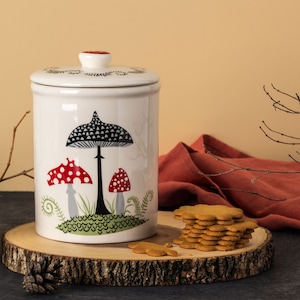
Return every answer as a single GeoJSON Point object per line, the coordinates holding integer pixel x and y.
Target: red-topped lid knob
{"type": "Point", "coordinates": [95, 59]}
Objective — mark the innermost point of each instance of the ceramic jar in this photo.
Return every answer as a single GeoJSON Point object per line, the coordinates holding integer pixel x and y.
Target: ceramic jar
{"type": "Point", "coordinates": [95, 151]}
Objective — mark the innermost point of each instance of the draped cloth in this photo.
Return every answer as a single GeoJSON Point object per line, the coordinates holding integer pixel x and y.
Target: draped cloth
{"type": "Point", "coordinates": [212, 172]}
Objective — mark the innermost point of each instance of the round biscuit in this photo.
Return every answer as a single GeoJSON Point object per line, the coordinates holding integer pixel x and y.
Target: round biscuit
{"type": "Point", "coordinates": [178, 241]}
{"type": "Point", "coordinates": [205, 248]}
{"type": "Point", "coordinates": [233, 238]}
{"type": "Point", "coordinates": [183, 236]}
{"type": "Point", "coordinates": [195, 230]}
{"type": "Point", "coordinates": [188, 226]}
{"type": "Point", "coordinates": [223, 222]}
{"type": "Point", "coordinates": [209, 237]}
{"type": "Point", "coordinates": [154, 252]}
{"type": "Point", "coordinates": [224, 248]}
{"type": "Point", "coordinates": [188, 216]}
{"type": "Point", "coordinates": [226, 243]}
{"type": "Point", "coordinates": [188, 245]}
{"type": "Point", "coordinates": [205, 217]}
{"type": "Point", "coordinates": [220, 212]}
{"type": "Point", "coordinates": [224, 217]}
{"type": "Point", "coordinates": [189, 221]}
{"type": "Point", "coordinates": [192, 239]}
{"type": "Point", "coordinates": [185, 231]}
{"type": "Point", "coordinates": [194, 235]}
{"type": "Point", "coordinates": [207, 243]}
{"type": "Point", "coordinates": [205, 223]}
{"type": "Point", "coordinates": [242, 226]}
{"type": "Point", "coordinates": [217, 227]}
{"type": "Point", "coordinates": [200, 227]}
{"type": "Point", "coordinates": [233, 233]}
{"type": "Point", "coordinates": [214, 233]}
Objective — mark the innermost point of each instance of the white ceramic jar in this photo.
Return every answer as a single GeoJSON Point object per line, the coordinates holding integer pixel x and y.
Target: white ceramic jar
{"type": "Point", "coordinates": [95, 151]}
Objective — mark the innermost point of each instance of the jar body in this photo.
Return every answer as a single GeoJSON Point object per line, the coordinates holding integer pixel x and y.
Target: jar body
{"type": "Point", "coordinates": [95, 160]}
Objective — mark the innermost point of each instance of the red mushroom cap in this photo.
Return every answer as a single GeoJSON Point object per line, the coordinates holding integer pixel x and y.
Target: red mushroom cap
{"type": "Point", "coordinates": [66, 174]}
{"type": "Point", "coordinates": [119, 182]}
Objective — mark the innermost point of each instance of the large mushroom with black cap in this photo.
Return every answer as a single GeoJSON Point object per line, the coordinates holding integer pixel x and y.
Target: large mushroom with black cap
{"type": "Point", "coordinates": [98, 134]}
{"type": "Point", "coordinates": [68, 174]}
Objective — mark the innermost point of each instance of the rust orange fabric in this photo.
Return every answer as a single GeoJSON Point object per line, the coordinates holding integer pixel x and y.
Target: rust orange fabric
{"type": "Point", "coordinates": [212, 172]}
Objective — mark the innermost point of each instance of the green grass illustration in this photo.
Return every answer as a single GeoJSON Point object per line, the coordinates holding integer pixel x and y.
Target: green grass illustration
{"type": "Point", "coordinates": [98, 224]}
{"type": "Point", "coordinates": [87, 208]}
{"type": "Point", "coordinates": [111, 206]}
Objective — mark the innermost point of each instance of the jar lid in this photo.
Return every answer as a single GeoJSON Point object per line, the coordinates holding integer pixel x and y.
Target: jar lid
{"type": "Point", "coordinates": [94, 72]}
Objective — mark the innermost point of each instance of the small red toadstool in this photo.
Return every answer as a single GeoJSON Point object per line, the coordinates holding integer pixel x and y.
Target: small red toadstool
{"type": "Point", "coordinates": [119, 183]}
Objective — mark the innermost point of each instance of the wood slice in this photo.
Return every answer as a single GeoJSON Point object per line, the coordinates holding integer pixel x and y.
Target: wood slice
{"type": "Point", "coordinates": [117, 265]}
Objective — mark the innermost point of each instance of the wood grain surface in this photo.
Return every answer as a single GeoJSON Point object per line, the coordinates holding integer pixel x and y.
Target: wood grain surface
{"type": "Point", "coordinates": [117, 265]}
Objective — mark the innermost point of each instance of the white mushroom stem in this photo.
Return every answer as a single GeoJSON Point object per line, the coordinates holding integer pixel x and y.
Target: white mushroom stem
{"type": "Point", "coordinates": [120, 204]}
{"type": "Point", "coordinates": [73, 210]}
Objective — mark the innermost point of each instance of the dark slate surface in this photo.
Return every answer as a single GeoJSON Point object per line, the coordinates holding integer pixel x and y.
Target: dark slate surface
{"type": "Point", "coordinates": [282, 281]}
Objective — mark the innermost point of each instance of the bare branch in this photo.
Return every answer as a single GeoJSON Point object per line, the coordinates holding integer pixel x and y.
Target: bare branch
{"type": "Point", "coordinates": [293, 141]}
{"type": "Point", "coordinates": [279, 133]}
{"type": "Point", "coordinates": [251, 192]}
{"type": "Point", "coordinates": [278, 105]}
{"type": "Point", "coordinates": [294, 159]}
{"type": "Point", "coordinates": [286, 94]}
{"type": "Point", "coordinates": [25, 172]}
{"type": "Point", "coordinates": [236, 167]}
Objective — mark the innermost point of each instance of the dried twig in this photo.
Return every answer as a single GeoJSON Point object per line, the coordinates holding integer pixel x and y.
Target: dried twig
{"type": "Point", "coordinates": [236, 167]}
{"type": "Point", "coordinates": [296, 97]}
{"type": "Point", "coordinates": [279, 133]}
{"type": "Point", "coordinates": [250, 192]}
{"type": "Point", "coordinates": [278, 105]}
{"type": "Point", "coordinates": [291, 140]}
{"type": "Point", "coordinates": [24, 172]}
{"type": "Point", "coordinates": [294, 159]}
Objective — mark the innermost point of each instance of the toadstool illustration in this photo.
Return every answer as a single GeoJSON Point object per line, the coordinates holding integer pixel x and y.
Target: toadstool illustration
{"type": "Point", "coordinates": [68, 174]}
{"type": "Point", "coordinates": [98, 134]}
{"type": "Point", "coordinates": [119, 183]}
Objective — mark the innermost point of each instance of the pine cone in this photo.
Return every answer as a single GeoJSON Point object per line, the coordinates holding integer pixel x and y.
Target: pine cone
{"type": "Point", "coordinates": [42, 276]}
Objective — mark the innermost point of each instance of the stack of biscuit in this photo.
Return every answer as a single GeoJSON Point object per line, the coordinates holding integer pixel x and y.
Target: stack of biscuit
{"type": "Point", "coordinates": [213, 227]}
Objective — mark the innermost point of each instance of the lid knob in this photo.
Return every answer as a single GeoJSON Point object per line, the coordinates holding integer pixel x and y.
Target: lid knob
{"type": "Point", "coordinates": [95, 59]}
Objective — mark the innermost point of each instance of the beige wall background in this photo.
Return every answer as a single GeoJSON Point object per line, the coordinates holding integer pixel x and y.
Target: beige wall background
{"type": "Point", "coordinates": [213, 57]}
